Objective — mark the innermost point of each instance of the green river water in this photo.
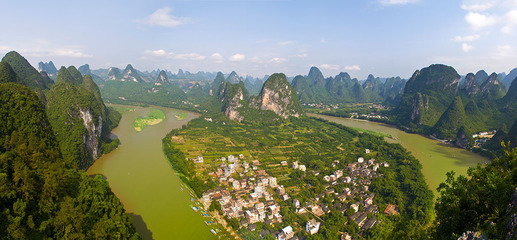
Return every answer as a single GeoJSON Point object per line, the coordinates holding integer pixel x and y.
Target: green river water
{"type": "Point", "coordinates": [437, 158]}
{"type": "Point", "coordinates": [141, 177]}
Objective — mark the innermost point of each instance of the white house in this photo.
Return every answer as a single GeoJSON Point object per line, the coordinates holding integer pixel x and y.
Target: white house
{"type": "Point", "coordinates": [312, 226]}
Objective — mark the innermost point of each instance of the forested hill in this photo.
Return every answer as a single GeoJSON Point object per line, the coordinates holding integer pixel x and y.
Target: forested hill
{"type": "Point", "coordinates": [75, 109]}
{"type": "Point", "coordinates": [434, 102]}
{"type": "Point", "coordinates": [314, 88]}
{"type": "Point", "coordinates": [41, 197]}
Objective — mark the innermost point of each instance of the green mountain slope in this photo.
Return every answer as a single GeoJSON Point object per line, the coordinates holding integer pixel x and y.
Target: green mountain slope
{"type": "Point", "coordinates": [40, 197]}
{"type": "Point", "coordinates": [77, 118]}
{"type": "Point", "coordinates": [451, 121]}
{"type": "Point", "coordinates": [29, 75]}
{"type": "Point", "coordinates": [7, 74]}
{"type": "Point", "coordinates": [426, 96]}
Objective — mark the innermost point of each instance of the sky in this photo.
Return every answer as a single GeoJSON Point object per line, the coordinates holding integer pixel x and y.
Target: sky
{"type": "Point", "coordinates": [385, 38]}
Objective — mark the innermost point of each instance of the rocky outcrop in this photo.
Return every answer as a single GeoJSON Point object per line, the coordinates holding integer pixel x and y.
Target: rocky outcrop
{"type": "Point", "coordinates": [280, 97]}
{"type": "Point", "coordinates": [233, 78]}
{"type": "Point", "coordinates": [113, 74]}
{"type": "Point", "coordinates": [94, 131]}
{"type": "Point", "coordinates": [130, 75]}
{"type": "Point", "coordinates": [162, 78]}
{"type": "Point", "coordinates": [511, 211]}
{"type": "Point", "coordinates": [419, 105]}
{"type": "Point", "coordinates": [471, 86]}
{"type": "Point", "coordinates": [49, 68]}
{"type": "Point", "coordinates": [233, 104]}
{"type": "Point", "coordinates": [234, 98]}
{"type": "Point", "coordinates": [469, 235]}
{"type": "Point", "coordinates": [427, 95]}
{"type": "Point", "coordinates": [492, 88]}
{"type": "Point", "coordinates": [277, 95]}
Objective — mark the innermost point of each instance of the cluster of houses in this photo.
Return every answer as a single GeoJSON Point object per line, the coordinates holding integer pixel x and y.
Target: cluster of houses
{"type": "Point", "coordinates": [248, 197]}
{"type": "Point", "coordinates": [369, 115]}
{"type": "Point", "coordinates": [356, 196]}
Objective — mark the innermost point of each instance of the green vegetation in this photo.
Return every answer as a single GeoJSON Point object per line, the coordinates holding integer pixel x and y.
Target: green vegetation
{"type": "Point", "coordinates": [121, 108]}
{"type": "Point", "coordinates": [154, 117]}
{"type": "Point", "coordinates": [451, 121]}
{"type": "Point", "coordinates": [379, 134]}
{"type": "Point", "coordinates": [7, 74]}
{"type": "Point", "coordinates": [28, 75]}
{"type": "Point", "coordinates": [144, 94]}
{"type": "Point", "coordinates": [317, 144]}
{"type": "Point", "coordinates": [481, 201]}
{"type": "Point", "coordinates": [40, 197]}
{"type": "Point", "coordinates": [342, 88]}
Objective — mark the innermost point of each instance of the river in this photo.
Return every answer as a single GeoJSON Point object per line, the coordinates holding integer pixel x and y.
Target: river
{"type": "Point", "coordinates": [141, 177]}
{"type": "Point", "coordinates": [436, 158]}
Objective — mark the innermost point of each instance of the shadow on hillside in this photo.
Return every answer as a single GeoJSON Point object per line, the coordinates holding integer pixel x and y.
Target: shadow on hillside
{"type": "Point", "coordinates": [141, 227]}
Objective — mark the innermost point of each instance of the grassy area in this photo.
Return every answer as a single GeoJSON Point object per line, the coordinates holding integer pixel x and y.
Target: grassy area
{"type": "Point", "coordinates": [121, 109]}
{"type": "Point", "coordinates": [372, 132]}
{"type": "Point", "coordinates": [154, 117]}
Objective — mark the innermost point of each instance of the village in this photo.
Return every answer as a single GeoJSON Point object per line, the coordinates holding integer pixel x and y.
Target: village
{"type": "Point", "coordinates": [246, 192]}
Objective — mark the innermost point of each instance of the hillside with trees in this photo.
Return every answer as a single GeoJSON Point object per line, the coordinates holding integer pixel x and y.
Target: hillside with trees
{"type": "Point", "coordinates": [41, 196]}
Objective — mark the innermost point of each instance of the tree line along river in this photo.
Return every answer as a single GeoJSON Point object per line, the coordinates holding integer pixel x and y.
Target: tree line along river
{"type": "Point", "coordinates": [141, 177]}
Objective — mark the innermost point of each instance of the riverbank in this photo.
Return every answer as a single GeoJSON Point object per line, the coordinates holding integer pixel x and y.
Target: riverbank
{"type": "Point", "coordinates": [140, 176]}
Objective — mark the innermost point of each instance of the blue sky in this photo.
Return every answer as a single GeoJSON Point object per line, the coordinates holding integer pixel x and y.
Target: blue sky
{"type": "Point", "coordinates": [258, 37]}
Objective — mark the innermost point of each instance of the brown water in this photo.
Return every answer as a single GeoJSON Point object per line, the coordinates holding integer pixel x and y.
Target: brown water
{"type": "Point", "coordinates": [437, 158]}
{"type": "Point", "coordinates": [141, 177]}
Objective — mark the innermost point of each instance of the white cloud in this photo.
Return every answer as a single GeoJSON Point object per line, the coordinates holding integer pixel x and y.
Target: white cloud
{"type": "Point", "coordinates": [285, 43]}
{"type": "Point", "coordinates": [237, 57]}
{"type": "Point", "coordinates": [469, 38]}
{"type": "Point", "coordinates": [504, 51]}
{"type": "Point", "coordinates": [510, 20]}
{"type": "Point", "coordinates": [352, 68]}
{"type": "Point", "coordinates": [478, 7]}
{"type": "Point", "coordinates": [217, 57]}
{"type": "Point", "coordinates": [71, 52]}
{"type": "Point", "coordinates": [68, 52]}
{"type": "Point", "coordinates": [397, 2]}
{"type": "Point", "coordinates": [172, 55]}
{"type": "Point", "coordinates": [478, 20]}
{"type": "Point", "coordinates": [329, 66]}
{"type": "Point", "coordinates": [155, 53]}
{"type": "Point", "coordinates": [278, 60]}
{"type": "Point", "coordinates": [163, 18]}
{"type": "Point", "coordinates": [466, 48]}
{"type": "Point", "coordinates": [186, 56]}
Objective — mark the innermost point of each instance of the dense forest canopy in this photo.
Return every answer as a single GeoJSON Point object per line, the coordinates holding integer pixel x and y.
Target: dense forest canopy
{"type": "Point", "coordinates": [41, 196]}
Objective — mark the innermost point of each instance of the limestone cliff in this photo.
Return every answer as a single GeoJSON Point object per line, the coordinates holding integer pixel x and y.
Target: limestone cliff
{"type": "Point", "coordinates": [162, 78]}
{"type": "Point", "coordinates": [427, 95]}
{"type": "Point", "coordinates": [94, 130]}
{"type": "Point", "coordinates": [234, 98]}
{"type": "Point", "coordinates": [471, 87]}
{"type": "Point", "coordinates": [130, 75]}
{"type": "Point", "coordinates": [276, 99]}
{"type": "Point", "coordinates": [492, 88]}
{"type": "Point", "coordinates": [279, 96]}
